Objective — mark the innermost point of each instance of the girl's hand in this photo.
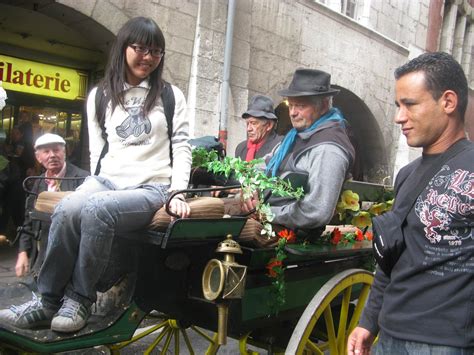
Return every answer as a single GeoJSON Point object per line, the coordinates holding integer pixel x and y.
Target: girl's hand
{"type": "Point", "coordinates": [180, 207]}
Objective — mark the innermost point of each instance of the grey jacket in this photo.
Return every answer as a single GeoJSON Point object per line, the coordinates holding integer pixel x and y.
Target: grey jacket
{"type": "Point", "coordinates": [326, 156]}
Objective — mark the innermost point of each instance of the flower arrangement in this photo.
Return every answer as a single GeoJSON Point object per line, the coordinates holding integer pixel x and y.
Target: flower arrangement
{"type": "Point", "coordinates": [349, 210]}
{"type": "Point", "coordinates": [336, 236]}
{"type": "Point", "coordinates": [276, 270]}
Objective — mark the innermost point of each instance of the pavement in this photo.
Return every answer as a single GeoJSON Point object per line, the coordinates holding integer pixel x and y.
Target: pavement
{"type": "Point", "coordinates": [7, 265]}
{"type": "Point", "coordinates": [8, 280]}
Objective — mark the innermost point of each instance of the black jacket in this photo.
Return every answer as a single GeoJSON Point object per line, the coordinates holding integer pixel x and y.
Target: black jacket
{"type": "Point", "coordinates": [28, 235]}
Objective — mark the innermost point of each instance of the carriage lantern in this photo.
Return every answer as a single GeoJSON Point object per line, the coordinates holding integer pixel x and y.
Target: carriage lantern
{"type": "Point", "coordinates": [223, 280]}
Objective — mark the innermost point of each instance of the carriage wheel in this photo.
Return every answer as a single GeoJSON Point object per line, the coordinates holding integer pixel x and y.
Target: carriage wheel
{"type": "Point", "coordinates": [169, 331]}
{"type": "Point", "coordinates": [334, 295]}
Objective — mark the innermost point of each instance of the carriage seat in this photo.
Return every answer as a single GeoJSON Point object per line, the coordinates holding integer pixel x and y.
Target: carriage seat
{"type": "Point", "coordinates": [201, 207]}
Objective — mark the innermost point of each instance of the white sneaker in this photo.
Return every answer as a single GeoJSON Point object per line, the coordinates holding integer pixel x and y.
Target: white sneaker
{"type": "Point", "coordinates": [29, 315]}
{"type": "Point", "coordinates": [71, 317]}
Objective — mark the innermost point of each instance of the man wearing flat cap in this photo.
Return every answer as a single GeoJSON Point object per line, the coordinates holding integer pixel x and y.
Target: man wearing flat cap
{"type": "Point", "coordinates": [318, 146]}
{"type": "Point", "coordinates": [50, 152]}
{"type": "Point", "coordinates": [260, 119]}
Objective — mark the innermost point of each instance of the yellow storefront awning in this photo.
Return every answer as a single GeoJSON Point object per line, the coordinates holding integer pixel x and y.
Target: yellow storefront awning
{"type": "Point", "coordinates": [42, 79]}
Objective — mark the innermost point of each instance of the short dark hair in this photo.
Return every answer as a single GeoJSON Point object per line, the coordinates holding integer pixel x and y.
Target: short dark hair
{"type": "Point", "coordinates": [442, 72]}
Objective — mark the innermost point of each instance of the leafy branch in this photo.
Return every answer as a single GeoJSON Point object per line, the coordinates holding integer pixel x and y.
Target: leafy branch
{"type": "Point", "coordinates": [253, 180]}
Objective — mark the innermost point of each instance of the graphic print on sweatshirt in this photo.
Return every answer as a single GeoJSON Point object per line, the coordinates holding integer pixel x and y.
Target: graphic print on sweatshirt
{"type": "Point", "coordinates": [134, 130]}
{"type": "Point", "coordinates": [445, 210]}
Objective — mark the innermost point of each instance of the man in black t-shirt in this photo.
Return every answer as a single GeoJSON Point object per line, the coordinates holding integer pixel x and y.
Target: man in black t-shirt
{"type": "Point", "coordinates": [425, 305]}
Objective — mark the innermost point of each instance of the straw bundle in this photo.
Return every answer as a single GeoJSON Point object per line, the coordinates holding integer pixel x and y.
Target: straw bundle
{"type": "Point", "coordinates": [201, 207]}
{"type": "Point", "coordinates": [47, 200]}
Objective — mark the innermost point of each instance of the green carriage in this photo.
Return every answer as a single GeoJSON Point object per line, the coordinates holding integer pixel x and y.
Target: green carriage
{"type": "Point", "coordinates": [326, 289]}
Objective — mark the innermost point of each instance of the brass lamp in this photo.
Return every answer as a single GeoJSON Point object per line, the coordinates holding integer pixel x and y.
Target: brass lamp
{"type": "Point", "coordinates": [223, 280]}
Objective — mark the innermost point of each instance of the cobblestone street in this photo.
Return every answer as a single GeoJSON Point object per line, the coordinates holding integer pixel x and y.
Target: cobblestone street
{"type": "Point", "coordinates": [8, 280]}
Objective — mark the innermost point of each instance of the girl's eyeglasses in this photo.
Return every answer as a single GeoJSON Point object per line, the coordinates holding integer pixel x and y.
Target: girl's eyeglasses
{"type": "Point", "coordinates": [155, 52]}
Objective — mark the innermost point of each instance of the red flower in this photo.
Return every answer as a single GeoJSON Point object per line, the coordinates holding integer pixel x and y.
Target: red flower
{"type": "Point", "coordinates": [336, 236]}
{"type": "Point", "coordinates": [288, 234]}
{"type": "Point", "coordinates": [369, 235]}
{"type": "Point", "coordinates": [272, 264]}
{"type": "Point", "coordinates": [359, 235]}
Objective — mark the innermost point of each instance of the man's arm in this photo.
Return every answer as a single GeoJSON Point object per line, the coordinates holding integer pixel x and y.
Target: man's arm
{"type": "Point", "coordinates": [25, 241]}
{"type": "Point", "coordinates": [362, 337]}
{"type": "Point", "coordinates": [370, 315]}
{"type": "Point", "coordinates": [326, 166]}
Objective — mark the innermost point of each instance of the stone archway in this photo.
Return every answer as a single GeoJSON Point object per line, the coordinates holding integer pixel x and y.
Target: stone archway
{"type": "Point", "coordinates": [52, 32]}
{"type": "Point", "coordinates": [371, 164]}
{"type": "Point", "coordinates": [370, 147]}
{"type": "Point", "coordinates": [73, 34]}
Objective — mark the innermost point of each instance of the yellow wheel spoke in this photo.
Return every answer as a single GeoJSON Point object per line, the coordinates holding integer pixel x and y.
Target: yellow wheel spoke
{"type": "Point", "coordinates": [328, 318]}
{"type": "Point", "coordinates": [335, 295]}
{"type": "Point", "coordinates": [176, 341]}
{"type": "Point", "coordinates": [201, 333]}
{"type": "Point", "coordinates": [341, 332]}
{"type": "Point", "coordinates": [243, 346]}
{"type": "Point", "coordinates": [157, 341]}
{"type": "Point", "coordinates": [213, 346]}
{"type": "Point", "coordinates": [169, 337]}
{"type": "Point", "coordinates": [186, 340]}
{"type": "Point", "coordinates": [168, 341]}
{"type": "Point", "coordinates": [359, 308]}
{"type": "Point", "coordinates": [137, 337]}
{"type": "Point", "coordinates": [314, 348]}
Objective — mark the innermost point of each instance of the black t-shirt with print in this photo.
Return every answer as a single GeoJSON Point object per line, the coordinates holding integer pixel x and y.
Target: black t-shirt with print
{"type": "Point", "coordinates": [430, 295]}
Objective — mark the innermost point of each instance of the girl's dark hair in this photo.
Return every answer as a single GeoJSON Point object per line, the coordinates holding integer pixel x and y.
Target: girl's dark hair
{"type": "Point", "coordinates": [139, 30]}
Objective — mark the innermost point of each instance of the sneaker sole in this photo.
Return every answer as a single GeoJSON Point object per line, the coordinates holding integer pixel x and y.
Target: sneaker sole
{"type": "Point", "coordinates": [67, 330]}
{"type": "Point", "coordinates": [42, 324]}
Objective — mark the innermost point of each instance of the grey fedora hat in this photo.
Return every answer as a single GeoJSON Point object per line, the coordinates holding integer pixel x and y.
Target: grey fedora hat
{"type": "Point", "coordinates": [260, 106]}
{"type": "Point", "coordinates": [309, 82]}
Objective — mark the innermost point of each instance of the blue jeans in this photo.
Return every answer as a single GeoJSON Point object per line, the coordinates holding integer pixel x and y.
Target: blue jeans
{"type": "Point", "coordinates": [388, 345]}
{"type": "Point", "coordinates": [82, 230]}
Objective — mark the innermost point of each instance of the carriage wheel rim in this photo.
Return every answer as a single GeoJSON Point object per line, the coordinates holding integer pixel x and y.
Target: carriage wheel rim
{"type": "Point", "coordinates": [319, 307]}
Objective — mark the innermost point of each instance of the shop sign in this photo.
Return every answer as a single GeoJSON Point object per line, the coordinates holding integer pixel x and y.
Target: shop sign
{"type": "Point", "coordinates": [42, 79]}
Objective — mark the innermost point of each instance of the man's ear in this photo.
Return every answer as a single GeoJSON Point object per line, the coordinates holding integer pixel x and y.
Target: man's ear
{"type": "Point", "coordinates": [269, 126]}
{"type": "Point", "coordinates": [449, 101]}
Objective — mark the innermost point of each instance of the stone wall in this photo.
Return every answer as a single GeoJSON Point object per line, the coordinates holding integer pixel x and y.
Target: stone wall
{"type": "Point", "coordinates": [271, 39]}
{"type": "Point", "coordinates": [285, 35]}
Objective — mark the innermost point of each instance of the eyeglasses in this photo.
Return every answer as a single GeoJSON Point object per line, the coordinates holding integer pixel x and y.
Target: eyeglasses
{"type": "Point", "coordinates": [155, 52]}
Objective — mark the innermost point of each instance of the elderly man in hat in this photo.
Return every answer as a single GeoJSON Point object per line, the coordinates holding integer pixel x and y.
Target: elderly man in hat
{"type": "Point", "coordinates": [50, 152]}
{"type": "Point", "coordinates": [260, 119]}
{"type": "Point", "coordinates": [318, 146]}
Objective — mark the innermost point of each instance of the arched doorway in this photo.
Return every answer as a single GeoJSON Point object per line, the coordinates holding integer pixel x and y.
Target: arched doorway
{"type": "Point", "coordinates": [371, 161]}
{"type": "Point", "coordinates": [40, 41]}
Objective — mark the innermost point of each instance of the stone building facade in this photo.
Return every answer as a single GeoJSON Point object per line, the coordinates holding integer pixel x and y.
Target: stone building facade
{"type": "Point", "coordinates": [360, 42]}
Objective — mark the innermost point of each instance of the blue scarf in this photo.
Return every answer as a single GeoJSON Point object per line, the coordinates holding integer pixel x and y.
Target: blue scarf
{"type": "Point", "coordinates": [332, 115]}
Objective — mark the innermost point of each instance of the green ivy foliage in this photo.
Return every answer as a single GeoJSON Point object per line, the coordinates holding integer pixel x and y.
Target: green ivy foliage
{"type": "Point", "coordinates": [251, 176]}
